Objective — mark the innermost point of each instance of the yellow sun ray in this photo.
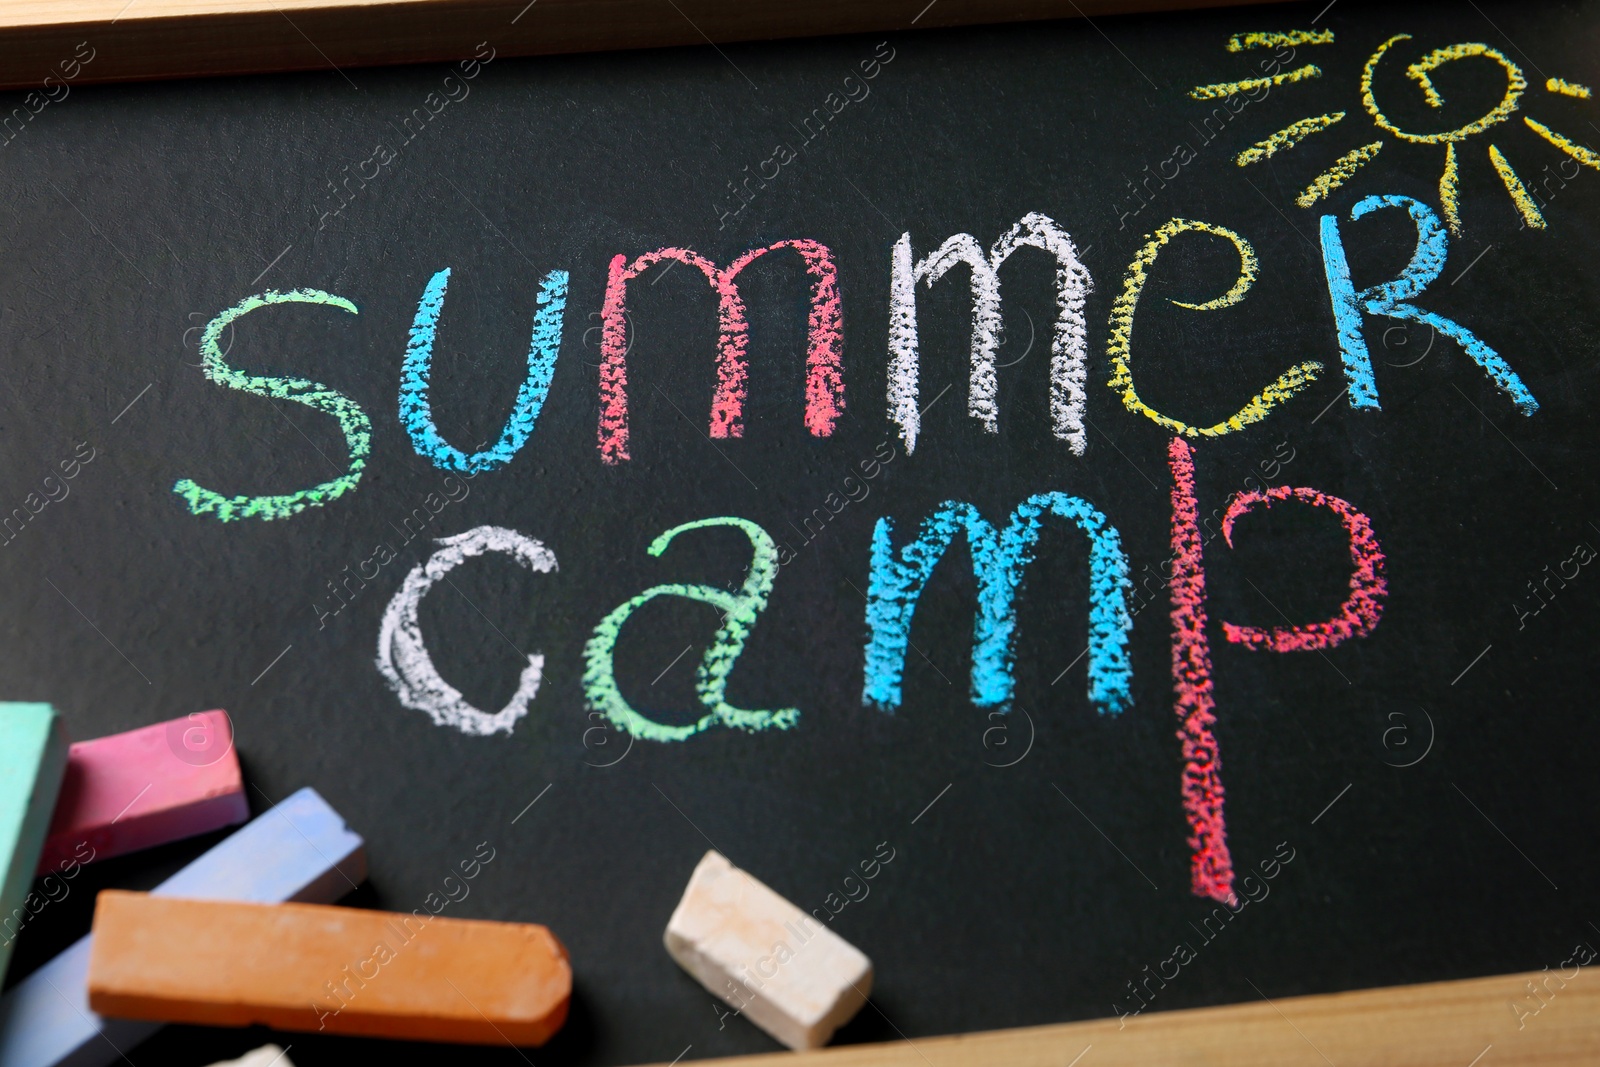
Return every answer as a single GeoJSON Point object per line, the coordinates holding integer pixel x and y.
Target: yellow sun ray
{"type": "Point", "coordinates": [1291, 39]}
{"type": "Point", "coordinates": [1287, 137]}
{"type": "Point", "coordinates": [1565, 88]}
{"type": "Point", "coordinates": [1571, 148]}
{"type": "Point", "coordinates": [1225, 89]}
{"type": "Point", "coordinates": [1338, 174]}
{"type": "Point", "coordinates": [1519, 195]}
{"type": "Point", "coordinates": [1447, 190]}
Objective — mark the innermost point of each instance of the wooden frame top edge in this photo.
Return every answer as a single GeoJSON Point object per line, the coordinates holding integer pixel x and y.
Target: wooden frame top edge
{"type": "Point", "coordinates": [137, 40]}
{"type": "Point", "coordinates": [62, 13]}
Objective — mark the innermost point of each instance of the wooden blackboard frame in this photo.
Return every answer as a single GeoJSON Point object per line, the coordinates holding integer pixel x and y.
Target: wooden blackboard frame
{"type": "Point", "coordinates": [139, 40]}
{"type": "Point", "coordinates": [1456, 1022]}
{"type": "Point", "coordinates": [1467, 1023]}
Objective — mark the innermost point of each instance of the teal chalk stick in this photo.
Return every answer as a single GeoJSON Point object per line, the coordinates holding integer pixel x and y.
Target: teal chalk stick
{"type": "Point", "coordinates": [33, 757]}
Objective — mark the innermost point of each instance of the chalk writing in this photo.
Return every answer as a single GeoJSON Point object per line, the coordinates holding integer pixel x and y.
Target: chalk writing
{"type": "Point", "coordinates": [417, 413]}
{"type": "Point", "coordinates": [403, 658]}
{"type": "Point", "coordinates": [998, 561]}
{"type": "Point", "coordinates": [1290, 382]}
{"type": "Point", "coordinates": [1360, 611]}
{"type": "Point", "coordinates": [1068, 347]}
{"type": "Point", "coordinates": [739, 613]}
{"type": "Point", "coordinates": [1211, 866]}
{"type": "Point", "coordinates": [353, 422]}
{"type": "Point", "coordinates": [1389, 299]}
{"type": "Point", "coordinates": [1239, 42]}
{"type": "Point", "coordinates": [824, 372]}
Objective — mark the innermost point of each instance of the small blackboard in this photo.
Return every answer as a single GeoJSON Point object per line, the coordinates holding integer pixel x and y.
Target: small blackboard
{"type": "Point", "coordinates": [1123, 483]}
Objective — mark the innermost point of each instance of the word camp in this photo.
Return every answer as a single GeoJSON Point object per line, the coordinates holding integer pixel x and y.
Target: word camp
{"type": "Point", "coordinates": [902, 559]}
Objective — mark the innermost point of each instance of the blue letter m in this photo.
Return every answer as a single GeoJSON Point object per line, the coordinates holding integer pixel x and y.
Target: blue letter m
{"type": "Point", "coordinates": [998, 562]}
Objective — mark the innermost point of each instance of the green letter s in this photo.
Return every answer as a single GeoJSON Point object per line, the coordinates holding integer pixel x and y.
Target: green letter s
{"type": "Point", "coordinates": [352, 420]}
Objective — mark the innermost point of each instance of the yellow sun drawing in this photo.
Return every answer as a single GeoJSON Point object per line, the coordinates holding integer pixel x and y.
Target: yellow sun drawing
{"type": "Point", "coordinates": [1420, 72]}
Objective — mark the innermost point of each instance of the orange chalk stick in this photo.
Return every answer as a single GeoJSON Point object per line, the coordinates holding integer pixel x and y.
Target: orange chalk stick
{"type": "Point", "coordinates": [338, 970]}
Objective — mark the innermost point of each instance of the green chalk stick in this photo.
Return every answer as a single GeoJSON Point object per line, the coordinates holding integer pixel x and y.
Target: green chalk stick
{"type": "Point", "coordinates": [33, 757]}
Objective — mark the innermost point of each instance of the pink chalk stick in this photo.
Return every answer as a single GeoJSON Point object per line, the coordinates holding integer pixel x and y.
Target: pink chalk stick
{"type": "Point", "coordinates": [144, 788]}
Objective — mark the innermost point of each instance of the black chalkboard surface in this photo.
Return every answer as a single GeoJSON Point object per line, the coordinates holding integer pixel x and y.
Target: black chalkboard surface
{"type": "Point", "coordinates": [1261, 697]}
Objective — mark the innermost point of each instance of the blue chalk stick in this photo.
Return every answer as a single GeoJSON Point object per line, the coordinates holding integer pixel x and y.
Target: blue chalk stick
{"type": "Point", "coordinates": [299, 850]}
{"type": "Point", "coordinates": [33, 758]}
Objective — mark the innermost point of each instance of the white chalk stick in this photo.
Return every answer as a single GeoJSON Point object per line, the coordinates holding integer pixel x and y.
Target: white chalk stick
{"type": "Point", "coordinates": [786, 972]}
{"type": "Point", "coordinates": [265, 1056]}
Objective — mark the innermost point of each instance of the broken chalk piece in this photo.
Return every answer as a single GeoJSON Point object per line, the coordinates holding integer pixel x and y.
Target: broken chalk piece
{"type": "Point", "coordinates": [33, 756]}
{"type": "Point", "coordinates": [299, 849]}
{"type": "Point", "coordinates": [265, 1056]}
{"type": "Point", "coordinates": [792, 976]}
{"type": "Point", "coordinates": [146, 787]}
{"type": "Point", "coordinates": [329, 969]}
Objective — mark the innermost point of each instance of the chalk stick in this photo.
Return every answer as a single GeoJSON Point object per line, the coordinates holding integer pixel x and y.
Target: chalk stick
{"type": "Point", "coordinates": [265, 1056]}
{"type": "Point", "coordinates": [327, 969]}
{"type": "Point", "coordinates": [146, 787]}
{"type": "Point", "coordinates": [33, 757]}
{"type": "Point", "coordinates": [299, 850]}
{"type": "Point", "coordinates": [784, 971]}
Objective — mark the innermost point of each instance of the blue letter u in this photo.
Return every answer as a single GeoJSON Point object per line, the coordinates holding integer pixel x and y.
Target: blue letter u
{"type": "Point", "coordinates": [416, 413]}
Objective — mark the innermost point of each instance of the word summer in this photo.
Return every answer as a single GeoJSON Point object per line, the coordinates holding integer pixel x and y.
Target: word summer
{"type": "Point", "coordinates": [903, 551]}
